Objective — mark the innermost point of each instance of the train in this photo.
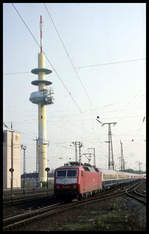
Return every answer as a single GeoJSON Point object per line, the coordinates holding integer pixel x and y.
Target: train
{"type": "Point", "coordinates": [78, 180]}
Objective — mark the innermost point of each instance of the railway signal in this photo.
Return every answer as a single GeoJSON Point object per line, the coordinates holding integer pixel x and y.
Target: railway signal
{"type": "Point", "coordinates": [11, 171]}
{"type": "Point", "coordinates": [47, 169]}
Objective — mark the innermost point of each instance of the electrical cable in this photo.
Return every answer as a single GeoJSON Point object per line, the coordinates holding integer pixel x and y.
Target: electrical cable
{"type": "Point", "coordinates": [15, 73]}
{"type": "Point", "coordinates": [66, 51]}
{"type": "Point", "coordinates": [102, 64]}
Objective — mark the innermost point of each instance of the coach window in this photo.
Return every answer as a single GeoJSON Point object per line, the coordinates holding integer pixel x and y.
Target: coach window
{"type": "Point", "coordinates": [61, 173]}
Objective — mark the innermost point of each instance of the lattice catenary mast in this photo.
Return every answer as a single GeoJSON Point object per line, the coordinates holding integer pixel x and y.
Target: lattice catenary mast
{"type": "Point", "coordinates": [42, 97]}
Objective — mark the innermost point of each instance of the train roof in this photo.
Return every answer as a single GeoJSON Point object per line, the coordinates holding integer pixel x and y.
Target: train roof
{"type": "Point", "coordinates": [113, 172]}
{"type": "Point", "coordinates": [71, 164]}
{"type": "Point", "coordinates": [77, 165]}
{"type": "Point", "coordinates": [106, 171]}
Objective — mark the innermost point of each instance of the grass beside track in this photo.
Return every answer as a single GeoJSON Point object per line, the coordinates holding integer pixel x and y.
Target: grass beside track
{"type": "Point", "coordinates": [115, 217]}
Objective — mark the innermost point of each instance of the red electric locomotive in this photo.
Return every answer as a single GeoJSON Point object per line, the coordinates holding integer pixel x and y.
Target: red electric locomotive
{"type": "Point", "coordinates": [77, 180]}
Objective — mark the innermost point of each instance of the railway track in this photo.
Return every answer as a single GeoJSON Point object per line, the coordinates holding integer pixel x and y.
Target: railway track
{"type": "Point", "coordinates": [14, 222]}
{"type": "Point", "coordinates": [22, 219]}
{"type": "Point", "coordinates": [16, 197]}
{"type": "Point", "coordinates": [32, 197]}
{"type": "Point", "coordinates": [133, 193]}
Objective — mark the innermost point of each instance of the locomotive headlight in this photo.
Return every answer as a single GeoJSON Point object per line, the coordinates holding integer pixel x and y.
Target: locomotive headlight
{"type": "Point", "coordinates": [74, 186]}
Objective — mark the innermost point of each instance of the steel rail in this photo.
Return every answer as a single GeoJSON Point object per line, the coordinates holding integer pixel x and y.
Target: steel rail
{"type": "Point", "coordinates": [11, 222]}
{"type": "Point", "coordinates": [14, 222]}
{"type": "Point", "coordinates": [136, 198]}
{"type": "Point", "coordinates": [25, 199]}
{"type": "Point", "coordinates": [25, 195]}
{"type": "Point", "coordinates": [140, 194]}
{"type": "Point", "coordinates": [131, 192]}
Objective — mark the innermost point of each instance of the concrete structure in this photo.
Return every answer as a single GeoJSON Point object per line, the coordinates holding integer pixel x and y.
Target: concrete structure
{"type": "Point", "coordinates": [42, 97]}
{"type": "Point", "coordinates": [11, 159]}
{"type": "Point", "coordinates": [31, 180]}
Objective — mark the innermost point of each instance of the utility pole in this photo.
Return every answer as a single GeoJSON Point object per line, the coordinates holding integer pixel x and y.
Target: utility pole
{"type": "Point", "coordinates": [23, 147]}
{"type": "Point", "coordinates": [75, 144]}
{"type": "Point", "coordinates": [37, 160]}
{"type": "Point", "coordinates": [47, 169]}
{"type": "Point", "coordinates": [37, 157]}
{"type": "Point", "coordinates": [79, 144]}
{"type": "Point", "coordinates": [93, 155]}
{"type": "Point", "coordinates": [110, 146]}
{"type": "Point", "coordinates": [11, 169]}
{"type": "Point", "coordinates": [139, 164]}
{"type": "Point", "coordinates": [122, 157]}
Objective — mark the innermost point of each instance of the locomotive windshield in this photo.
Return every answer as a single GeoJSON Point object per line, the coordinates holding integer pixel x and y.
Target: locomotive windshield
{"type": "Point", "coordinates": [61, 173]}
{"type": "Point", "coordinates": [66, 173]}
{"type": "Point", "coordinates": [71, 173]}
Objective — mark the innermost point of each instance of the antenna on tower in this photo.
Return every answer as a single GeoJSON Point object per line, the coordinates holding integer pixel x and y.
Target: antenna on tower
{"type": "Point", "coordinates": [41, 33]}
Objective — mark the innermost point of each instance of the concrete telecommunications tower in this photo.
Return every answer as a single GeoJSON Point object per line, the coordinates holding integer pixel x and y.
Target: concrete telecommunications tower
{"type": "Point", "coordinates": [42, 97]}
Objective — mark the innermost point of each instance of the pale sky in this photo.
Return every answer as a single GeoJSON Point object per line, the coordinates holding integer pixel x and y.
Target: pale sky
{"type": "Point", "coordinates": [107, 46]}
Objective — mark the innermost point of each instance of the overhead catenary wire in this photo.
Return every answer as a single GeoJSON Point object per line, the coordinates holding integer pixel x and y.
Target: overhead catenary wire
{"type": "Point", "coordinates": [110, 63]}
{"type": "Point", "coordinates": [58, 76]}
{"type": "Point", "coordinates": [15, 73]}
{"type": "Point", "coordinates": [88, 66]}
{"type": "Point", "coordinates": [66, 51]}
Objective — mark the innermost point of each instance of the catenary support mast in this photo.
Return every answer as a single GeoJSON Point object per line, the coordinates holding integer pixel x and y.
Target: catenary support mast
{"type": "Point", "coordinates": [110, 146]}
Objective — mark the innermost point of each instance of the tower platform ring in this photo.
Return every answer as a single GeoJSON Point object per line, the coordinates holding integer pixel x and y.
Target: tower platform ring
{"type": "Point", "coordinates": [37, 70]}
{"type": "Point", "coordinates": [38, 82]}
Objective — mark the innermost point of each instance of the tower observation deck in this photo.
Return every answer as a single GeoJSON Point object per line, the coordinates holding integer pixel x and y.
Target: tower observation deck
{"type": "Point", "coordinates": [42, 97]}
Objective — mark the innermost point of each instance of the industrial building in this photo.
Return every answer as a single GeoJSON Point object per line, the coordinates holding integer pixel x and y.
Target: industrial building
{"type": "Point", "coordinates": [11, 159]}
{"type": "Point", "coordinates": [30, 180]}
